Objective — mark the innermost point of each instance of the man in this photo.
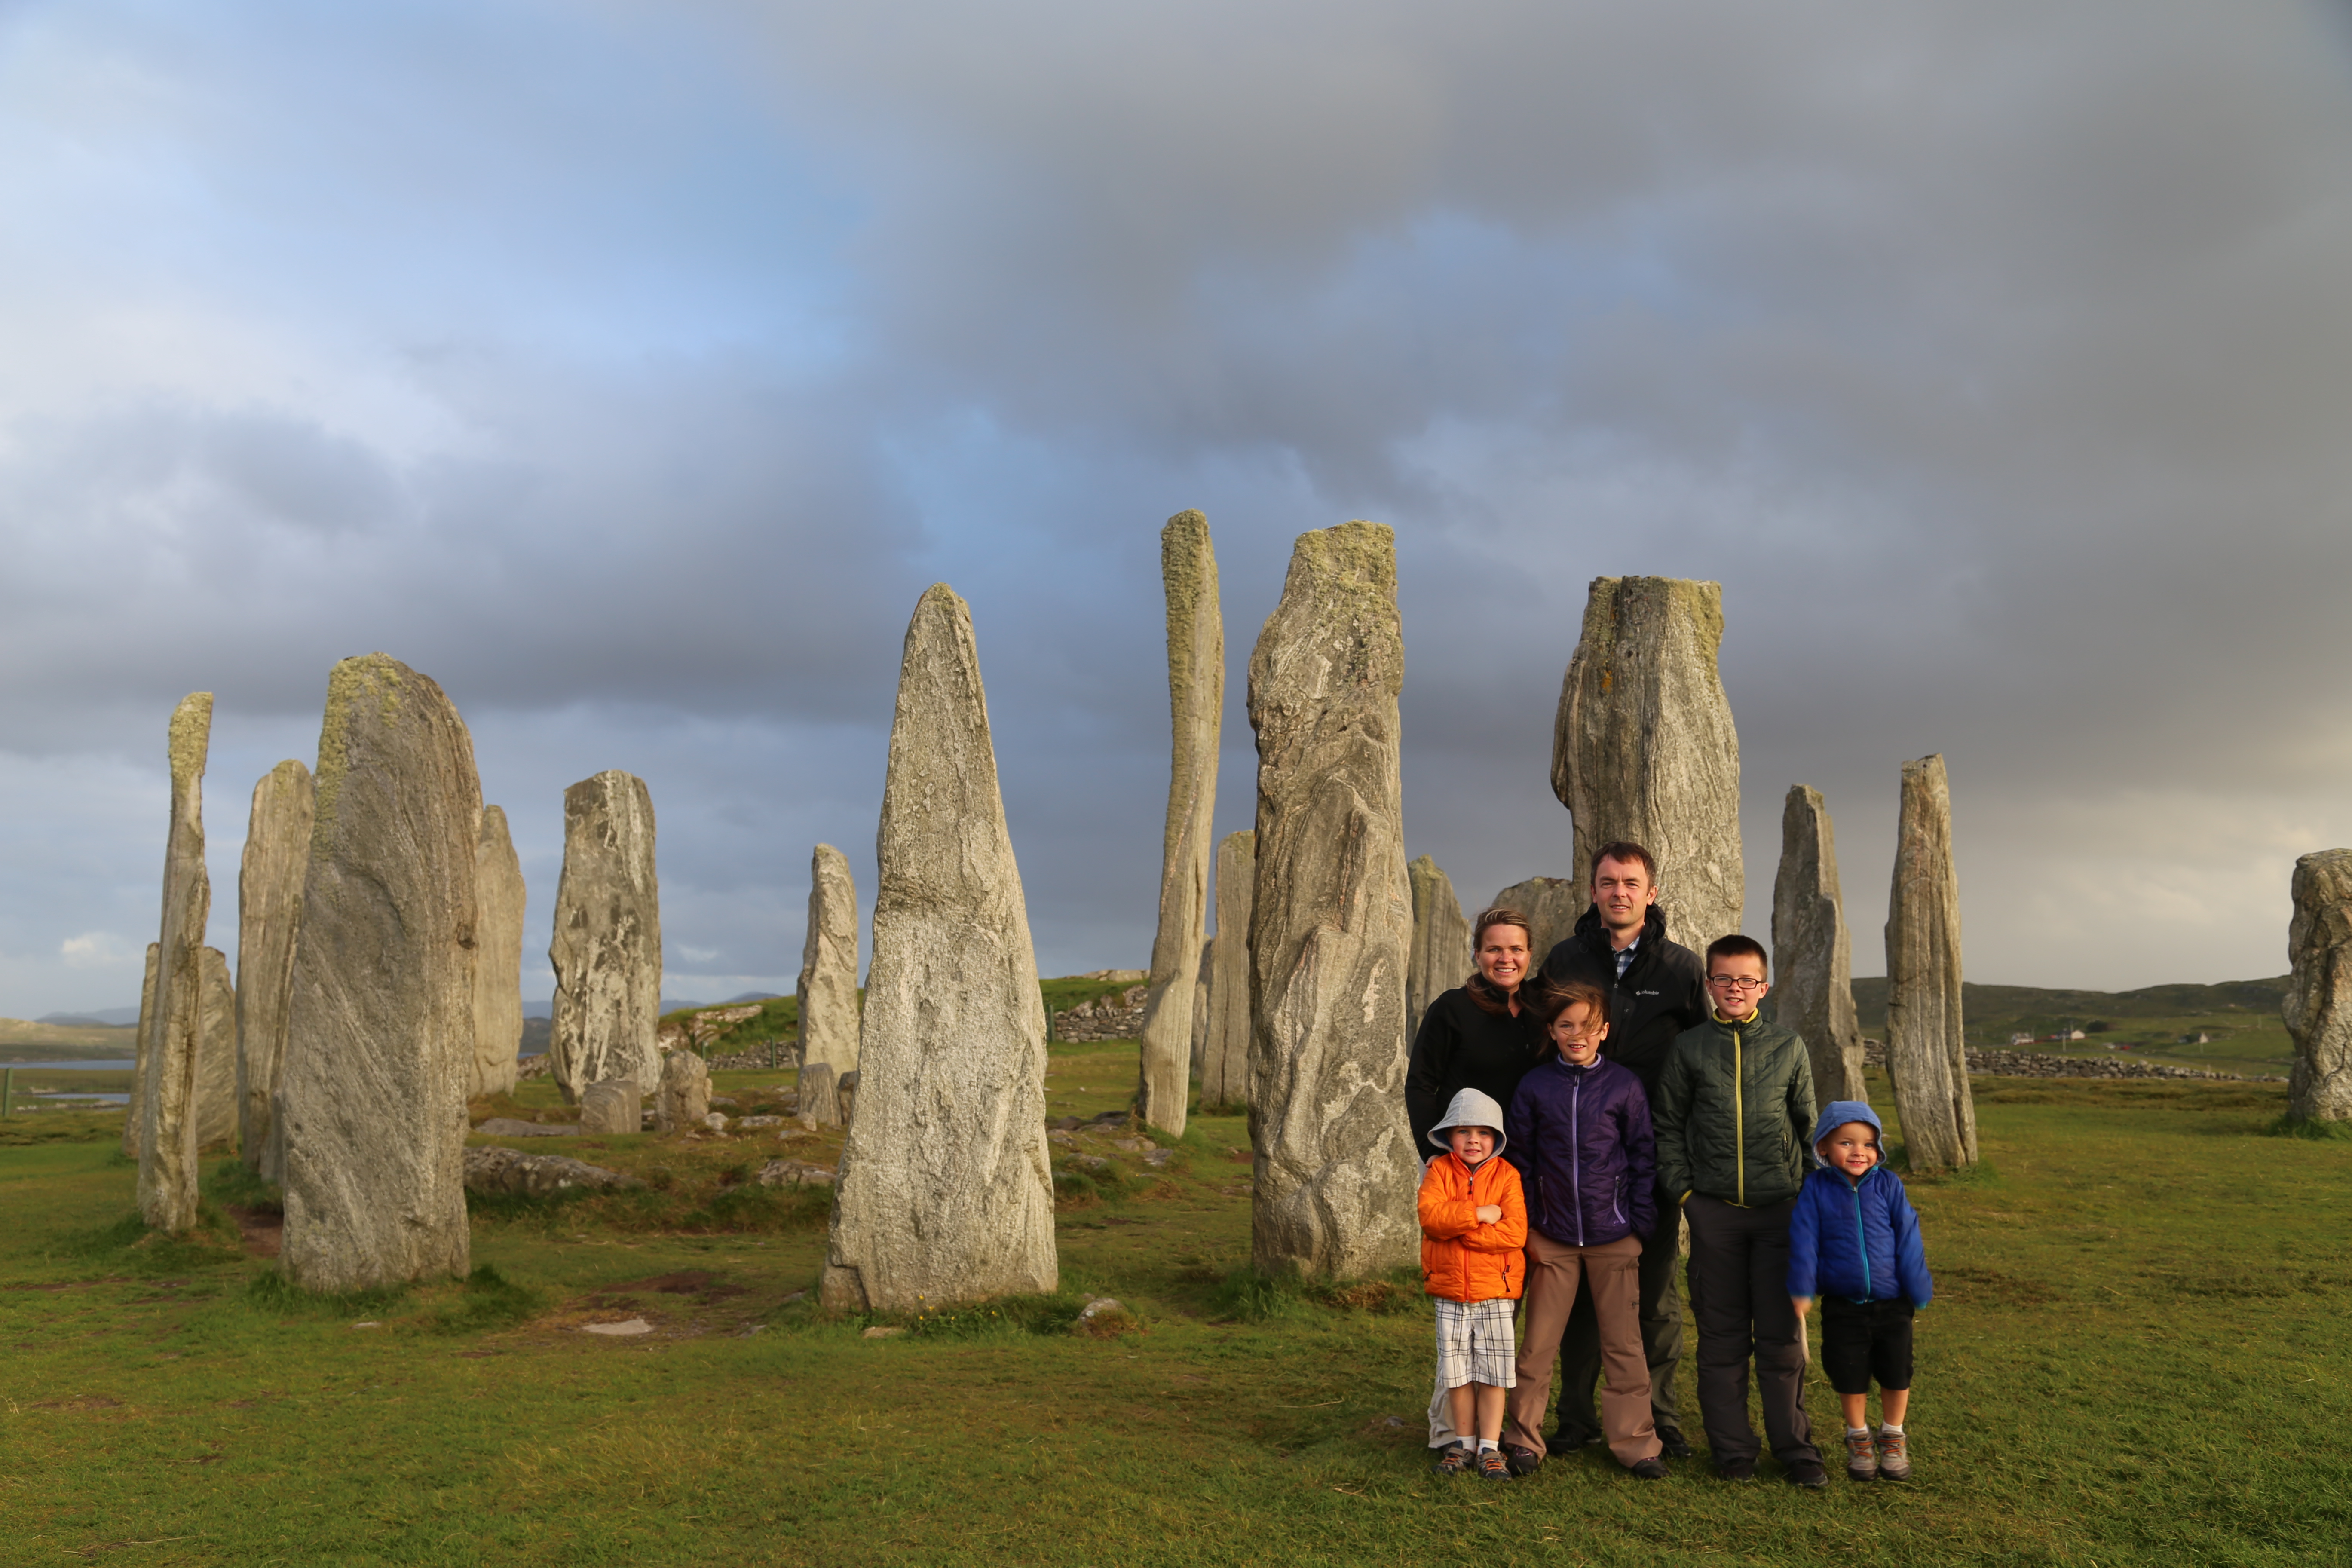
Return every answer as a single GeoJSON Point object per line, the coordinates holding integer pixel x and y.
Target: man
{"type": "Point", "coordinates": [1657, 989]}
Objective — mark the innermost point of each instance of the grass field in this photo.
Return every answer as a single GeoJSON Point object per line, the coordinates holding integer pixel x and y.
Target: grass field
{"type": "Point", "coordinates": [2139, 1354]}
{"type": "Point", "coordinates": [2241, 1018]}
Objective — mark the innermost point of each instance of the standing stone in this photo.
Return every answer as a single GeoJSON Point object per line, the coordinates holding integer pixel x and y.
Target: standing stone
{"type": "Point", "coordinates": [1554, 905]}
{"type": "Point", "coordinates": [607, 948]}
{"type": "Point", "coordinates": [1812, 953]}
{"type": "Point", "coordinates": [611, 1105]}
{"type": "Point", "coordinates": [828, 983]}
{"type": "Point", "coordinates": [268, 915]}
{"type": "Point", "coordinates": [1441, 941]}
{"type": "Point", "coordinates": [2317, 1005]}
{"type": "Point", "coordinates": [1331, 925]}
{"type": "Point", "coordinates": [685, 1096]}
{"type": "Point", "coordinates": [1925, 1056]}
{"type": "Point", "coordinates": [1644, 748]}
{"type": "Point", "coordinates": [139, 1052]}
{"type": "Point", "coordinates": [1196, 700]}
{"type": "Point", "coordinates": [946, 1193]}
{"type": "Point", "coordinates": [175, 1042]}
{"type": "Point", "coordinates": [498, 958]}
{"type": "Point", "coordinates": [1207, 967]}
{"type": "Point", "coordinates": [820, 1097]}
{"type": "Point", "coordinates": [380, 1036]}
{"type": "Point", "coordinates": [216, 1100]}
{"type": "Point", "coordinates": [1226, 1053]}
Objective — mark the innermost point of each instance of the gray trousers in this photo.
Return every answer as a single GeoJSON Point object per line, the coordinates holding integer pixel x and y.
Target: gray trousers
{"type": "Point", "coordinates": [1662, 1336]}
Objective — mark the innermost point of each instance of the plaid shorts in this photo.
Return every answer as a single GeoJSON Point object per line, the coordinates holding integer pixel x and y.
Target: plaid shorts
{"type": "Point", "coordinates": [1475, 1343]}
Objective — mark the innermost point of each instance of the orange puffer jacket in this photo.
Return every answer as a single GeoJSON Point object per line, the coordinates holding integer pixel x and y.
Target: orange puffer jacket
{"type": "Point", "coordinates": [1461, 1258]}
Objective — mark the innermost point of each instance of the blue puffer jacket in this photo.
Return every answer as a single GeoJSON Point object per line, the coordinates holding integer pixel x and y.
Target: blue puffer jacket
{"type": "Point", "coordinates": [1858, 1239]}
{"type": "Point", "coordinates": [1588, 1163]}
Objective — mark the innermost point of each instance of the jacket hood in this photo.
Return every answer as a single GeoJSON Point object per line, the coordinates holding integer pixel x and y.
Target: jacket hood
{"type": "Point", "coordinates": [1836, 1114]}
{"type": "Point", "coordinates": [1470, 1108]}
{"type": "Point", "coordinates": [1589, 929]}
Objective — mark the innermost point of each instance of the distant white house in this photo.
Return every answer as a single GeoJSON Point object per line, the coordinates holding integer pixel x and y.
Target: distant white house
{"type": "Point", "coordinates": [2199, 1038]}
{"type": "Point", "coordinates": [2019, 1042]}
{"type": "Point", "coordinates": [2067, 1035]}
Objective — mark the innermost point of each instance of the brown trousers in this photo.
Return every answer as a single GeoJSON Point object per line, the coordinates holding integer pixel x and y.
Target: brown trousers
{"type": "Point", "coordinates": [1613, 1272]}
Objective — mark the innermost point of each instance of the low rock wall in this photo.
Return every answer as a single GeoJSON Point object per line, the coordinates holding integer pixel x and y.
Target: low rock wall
{"type": "Point", "coordinates": [2043, 1064]}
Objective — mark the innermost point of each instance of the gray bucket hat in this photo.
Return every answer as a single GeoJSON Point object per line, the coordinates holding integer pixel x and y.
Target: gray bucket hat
{"type": "Point", "coordinates": [1469, 1107]}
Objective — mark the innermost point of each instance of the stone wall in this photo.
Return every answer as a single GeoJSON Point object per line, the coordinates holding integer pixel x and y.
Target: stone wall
{"type": "Point", "coordinates": [2042, 1064]}
{"type": "Point", "coordinates": [1119, 1016]}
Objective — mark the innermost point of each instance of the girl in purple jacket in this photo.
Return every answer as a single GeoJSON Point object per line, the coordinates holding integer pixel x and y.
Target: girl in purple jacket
{"type": "Point", "coordinates": [1579, 1130]}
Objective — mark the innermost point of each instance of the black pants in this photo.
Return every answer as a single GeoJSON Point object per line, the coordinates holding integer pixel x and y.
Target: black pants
{"type": "Point", "coordinates": [1662, 1336]}
{"type": "Point", "coordinates": [1740, 1297]}
{"type": "Point", "coordinates": [1862, 1340]}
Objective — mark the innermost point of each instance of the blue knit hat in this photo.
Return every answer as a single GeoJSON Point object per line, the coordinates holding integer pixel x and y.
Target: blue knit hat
{"type": "Point", "coordinates": [1836, 1114]}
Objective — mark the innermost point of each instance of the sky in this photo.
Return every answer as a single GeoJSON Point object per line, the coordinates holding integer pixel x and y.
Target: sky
{"type": "Point", "coordinates": [632, 368]}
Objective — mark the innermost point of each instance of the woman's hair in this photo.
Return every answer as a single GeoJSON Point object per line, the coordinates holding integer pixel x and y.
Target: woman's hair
{"type": "Point", "coordinates": [1484, 994]}
{"type": "Point", "coordinates": [1550, 998]}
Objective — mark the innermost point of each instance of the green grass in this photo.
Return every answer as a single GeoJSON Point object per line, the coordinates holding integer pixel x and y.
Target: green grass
{"type": "Point", "coordinates": [2137, 1356]}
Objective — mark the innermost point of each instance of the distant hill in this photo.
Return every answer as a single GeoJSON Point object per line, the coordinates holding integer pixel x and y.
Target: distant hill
{"type": "Point", "coordinates": [102, 1018]}
{"type": "Point", "coordinates": [2017, 1002]}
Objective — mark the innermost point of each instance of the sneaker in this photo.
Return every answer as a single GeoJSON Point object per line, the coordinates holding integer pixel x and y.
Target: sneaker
{"type": "Point", "coordinates": [1672, 1444]}
{"type": "Point", "coordinates": [1522, 1461]}
{"type": "Point", "coordinates": [1894, 1457]}
{"type": "Point", "coordinates": [1649, 1469]}
{"type": "Point", "coordinates": [1805, 1473]}
{"type": "Point", "coordinates": [1455, 1459]}
{"type": "Point", "coordinates": [1492, 1466]}
{"type": "Point", "coordinates": [1861, 1456]}
{"type": "Point", "coordinates": [1567, 1442]}
{"type": "Point", "coordinates": [1738, 1470]}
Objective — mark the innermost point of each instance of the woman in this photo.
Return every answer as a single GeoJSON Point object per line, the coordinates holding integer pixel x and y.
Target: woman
{"type": "Point", "coordinates": [1479, 1035]}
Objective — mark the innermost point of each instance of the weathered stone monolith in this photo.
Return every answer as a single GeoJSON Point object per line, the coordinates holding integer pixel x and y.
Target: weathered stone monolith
{"type": "Point", "coordinates": [174, 1044]}
{"type": "Point", "coordinates": [1643, 747]}
{"type": "Point", "coordinates": [828, 983]}
{"type": "Point", "coordinates": [269, 920]}
{"type": "Point", "coordinates": [611, 1105]}
{"type": "Point", "coordinates": [217, 1103]}
{"type": "Point", "coordinates": [1812, 953]}
{"type": "Point", "coordinates": [380, 1033]}
{"type": "Point", "coordinates": [1196, 700]}
{"type": "Point", "coordinates": [139, 1052]}
{"type": "Point", "coordinates": [607, 950]}
{"type": "Point", "coordinates": [819, 1101]}
{"type": "Point", "coordinates": [1925, 1055]}
{"type": "Point", "coordinates": [2317, 1005]}
{"type": "Point", "coordinates": [1335, 1167]}
{"type": "Point", "coordinates": [1201, 1004]}
{"type": "Point", "coordinates": [1226, 1053]}
{"type": "Point", "coordinates": [946, 1193]}
{"type": "Point", "coordinates": [498, 896]}
{"type": "Point", "coordinates": [1554, 904]}
{"type": "Point", "coordinates": [1441, 941]}
{"type": "Point", "coordinates": [684, 1099]}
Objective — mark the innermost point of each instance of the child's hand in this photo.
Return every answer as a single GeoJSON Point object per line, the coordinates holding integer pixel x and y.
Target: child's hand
{"type": "Point", "coordinates": [1803, 1304]}
{"type": "Point", "coordinates": [1488, 1214]}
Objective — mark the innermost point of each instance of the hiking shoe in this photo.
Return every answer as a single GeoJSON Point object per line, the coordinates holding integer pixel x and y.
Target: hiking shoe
{"type": "Point", "coordinates": [1672, 1444]}
{"type": "Point", "coordinates": [1894, 1457]}
{"type": "Point", "coordinates": [1566, 1442]}
{"type": "Point", "coordinates": [1806, 1473]}
{"type": "Point", "coordinates": [1861, 1456]}
{"type": "Point", "coordinates": [1522, 1461]}
{"type": "Point", "coordinates": [1649, 1469]}
{"type": "Point", "coordinates": [1738, 1470]}
{"type": "Point", "coordinates": [1457, 1459]}
{"type": "Point", "coordinates": [1492, 1466]}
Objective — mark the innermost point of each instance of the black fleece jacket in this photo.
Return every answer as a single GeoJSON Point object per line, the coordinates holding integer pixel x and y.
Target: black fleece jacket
{"type": "Point", "coordinates": [1662, 992]}
{"type": "Point", "coordinates": [1462, 1046]}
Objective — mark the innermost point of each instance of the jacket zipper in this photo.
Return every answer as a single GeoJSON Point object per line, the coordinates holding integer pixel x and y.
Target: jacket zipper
{"type": "Point", "coordinates": [1576, 1152]}
{"type": "Point", "coordinates": [1738, 1124]}
{"type": "Point", "coordinates": [1862, 1241]}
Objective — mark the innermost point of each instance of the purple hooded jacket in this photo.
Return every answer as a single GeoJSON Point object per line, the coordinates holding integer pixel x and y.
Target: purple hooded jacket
{"type": "Point", "coordinates": [1580, 1138]}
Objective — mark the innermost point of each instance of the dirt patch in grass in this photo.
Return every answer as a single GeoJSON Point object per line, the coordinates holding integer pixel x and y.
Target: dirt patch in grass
{"type": "Point", "coordinates": [263, 1229]}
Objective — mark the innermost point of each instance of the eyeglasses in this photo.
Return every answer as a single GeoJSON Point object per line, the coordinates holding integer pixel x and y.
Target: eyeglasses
{"type": "Point", "coordinates": [1737, 983]}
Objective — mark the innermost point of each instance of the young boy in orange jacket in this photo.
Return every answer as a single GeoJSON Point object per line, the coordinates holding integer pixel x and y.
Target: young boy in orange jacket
{"type": "Point", "coordinates": [1474, 1230]}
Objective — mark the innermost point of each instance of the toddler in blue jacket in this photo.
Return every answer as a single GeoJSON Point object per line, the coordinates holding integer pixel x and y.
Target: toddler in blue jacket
{"type": "Point", "coordinates": [1853, 1241]}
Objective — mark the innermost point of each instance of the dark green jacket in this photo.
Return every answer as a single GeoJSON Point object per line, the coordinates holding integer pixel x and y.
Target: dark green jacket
{"type": "Point", "coordinates": [1734, 1107]}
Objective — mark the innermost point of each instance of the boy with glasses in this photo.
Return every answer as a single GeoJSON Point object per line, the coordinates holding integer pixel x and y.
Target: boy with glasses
{"type": "Point", "coordinates": [1734, 1107]}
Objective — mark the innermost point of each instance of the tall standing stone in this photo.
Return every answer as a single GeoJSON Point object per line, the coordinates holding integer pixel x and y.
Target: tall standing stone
{"type": "Point", "coordinates": [269, 920]}
{"type": "Point", "coordinates": [1643, 747]}
{"type": "Point", "coordinates": [1812, 953]}
{"type": "Point", "coordinates": [139, 1052]}
{"type": "Point", "coordinates": [498, 896]}
{"type": "Point", "coordinates": [1226, 1053]}
{"type": "Point", "coordinates": [2317, 1005]}
{"type": "Point", "coordinates": [945, 1193]}
{"type": "Point", "coordinates": [1441, 941]}
{"type": "Point", "coordinates": [1207, 967]}
{"type": "Point", "coordinates": [379, 1037]}
{"type": "Point", "coordinates": [1196, 700]}
{"type": "Point", "coordinates": [607, 950]}
{"type": "Point", "coordinates": [685, 1096]}
{"type": "Point", "coordinates": [828, 983]}
{"type": "Point", "coordinates": [1553, 905]}
{"type": "Point", "coordinates": [175, 1042]}
{"type": "Point", "coordinates": [216, 1101]}
{"type": "Point", "coordinates": [1926, 1054]}
{"type": "Point", "coordinates": [1335, 1167]}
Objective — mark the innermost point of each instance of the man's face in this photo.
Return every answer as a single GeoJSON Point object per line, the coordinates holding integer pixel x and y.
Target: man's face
{"type": "Point", "coordinates": [1470, 1143]}
{"type": "Point", "coordinates": [1622, 892]}
{"type": "Point", "coordinates": [1735, 983]}
{"type": "Point", "coordinates": [1853, 1148]}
